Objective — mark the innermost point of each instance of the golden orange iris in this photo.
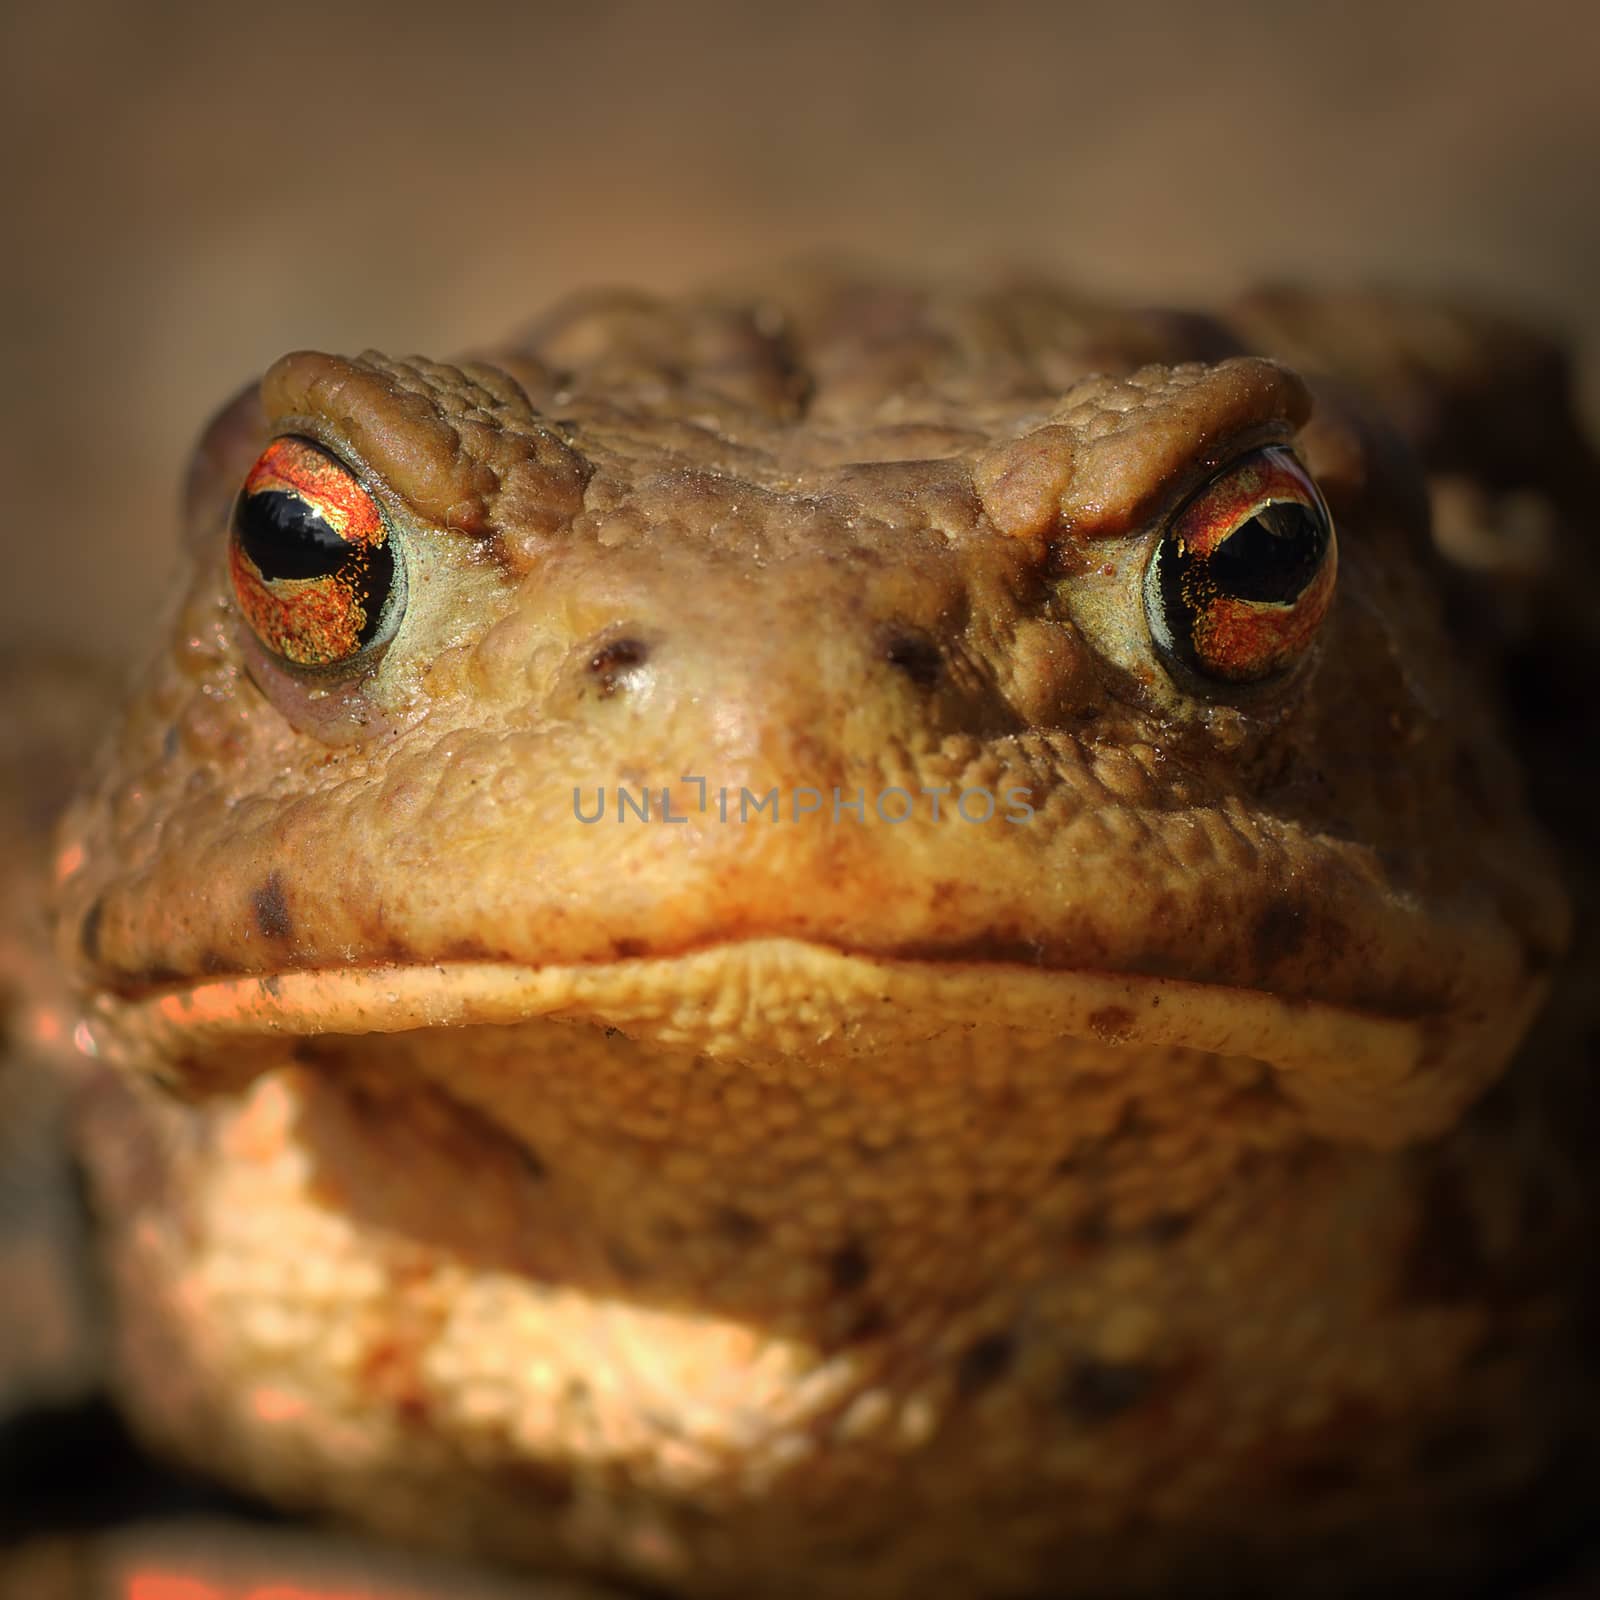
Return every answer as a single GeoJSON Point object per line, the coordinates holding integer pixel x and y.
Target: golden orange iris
{"type": "Point", "coordinates": [1244, 573]}
{"type": "Point", "coordinates": [309, 556]}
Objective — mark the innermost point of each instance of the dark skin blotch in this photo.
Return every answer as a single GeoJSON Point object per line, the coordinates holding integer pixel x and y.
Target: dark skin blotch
{"type": "Point", "coordinates": [737, 1226]}
{"type": "Point", "coordinates": [1111, 1024]}
{"type": "Point", "coordinates": [611, 664]}
{"type": "Point", "coordinates": [1088, 1153]}
{"type": "Point", "coordinates": [920, 659]}
{"type": "Point", "coordinates": [870, 1322]}
{"type": "Point", "coordinates": [1090, 1230]}
{"type": "Point", "coordinates": [984, 1363]}
{"type": "Point", "coordinates": [849, 1267]}
{"type": "Point", "coordinates": [1279, 931]}
{"type": "Point", "coordinates": [1100, 1391]}
{"type": "Point", "coordinates": [624, 1262]}
{"type": "Point", "coordinates": [1294, 929]}
{"type": "Point", "coordinates": [1167, 1226]}
{"type": "Point", "coordinates": [271, 909]}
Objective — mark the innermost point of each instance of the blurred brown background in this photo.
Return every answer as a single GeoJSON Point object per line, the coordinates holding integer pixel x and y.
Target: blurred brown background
{"type": "Point", "coordinates": [194, 190]}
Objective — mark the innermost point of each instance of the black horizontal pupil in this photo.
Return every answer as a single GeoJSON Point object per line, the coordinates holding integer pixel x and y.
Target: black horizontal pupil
{"type": "Point", "coordinates": [1272, 556]}
{"type": "Point", "coordinates": [285, 537]}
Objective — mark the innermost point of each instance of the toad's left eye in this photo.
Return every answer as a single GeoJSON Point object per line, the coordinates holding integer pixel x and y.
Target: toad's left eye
{"type": "Point", "coordinates": [1243, 575]}
{"type": "Point", "coordinates": [310, 557]}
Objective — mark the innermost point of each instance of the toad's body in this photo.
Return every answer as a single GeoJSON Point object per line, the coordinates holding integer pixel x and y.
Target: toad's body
{"type": "Point", "coordinates": [1074, 1196]}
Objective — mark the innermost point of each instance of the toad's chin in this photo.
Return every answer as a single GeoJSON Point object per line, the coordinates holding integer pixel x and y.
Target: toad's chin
{"type": "Point", "coordinates": [1382, 1080]}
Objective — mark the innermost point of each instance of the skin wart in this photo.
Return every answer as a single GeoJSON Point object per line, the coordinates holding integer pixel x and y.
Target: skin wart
{"type": "Point", "coordinates": [1100, 1202]}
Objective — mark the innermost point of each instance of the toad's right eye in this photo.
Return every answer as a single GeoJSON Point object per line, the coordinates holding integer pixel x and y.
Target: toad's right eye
{"type": "Point", "coordinates": [311, 558]}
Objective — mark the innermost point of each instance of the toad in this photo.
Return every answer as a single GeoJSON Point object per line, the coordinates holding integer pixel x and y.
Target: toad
{"type": "Point", "coordinates": [839, 938]}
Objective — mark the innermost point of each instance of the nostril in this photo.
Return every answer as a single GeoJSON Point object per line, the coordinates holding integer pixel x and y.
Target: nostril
{"type": "Point", "coordinates": [919, 658]}
{"type": "Point", "coordinates": [613, 663]}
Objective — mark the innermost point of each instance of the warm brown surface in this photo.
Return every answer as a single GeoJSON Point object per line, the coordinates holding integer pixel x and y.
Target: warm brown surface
{"type": "Point", "coordinates": [193, 190]}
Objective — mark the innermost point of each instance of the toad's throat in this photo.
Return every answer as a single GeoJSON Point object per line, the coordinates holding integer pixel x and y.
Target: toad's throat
{"type": "Point", "coordinates": [775, 999]}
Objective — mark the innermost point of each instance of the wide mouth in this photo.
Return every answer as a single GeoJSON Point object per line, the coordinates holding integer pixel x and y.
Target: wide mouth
{"type": "Point", "coordinates": [770, 996]}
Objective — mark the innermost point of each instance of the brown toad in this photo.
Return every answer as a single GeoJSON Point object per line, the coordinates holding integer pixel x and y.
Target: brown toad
{"type": "Point", "coordinates": [842, 939]}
